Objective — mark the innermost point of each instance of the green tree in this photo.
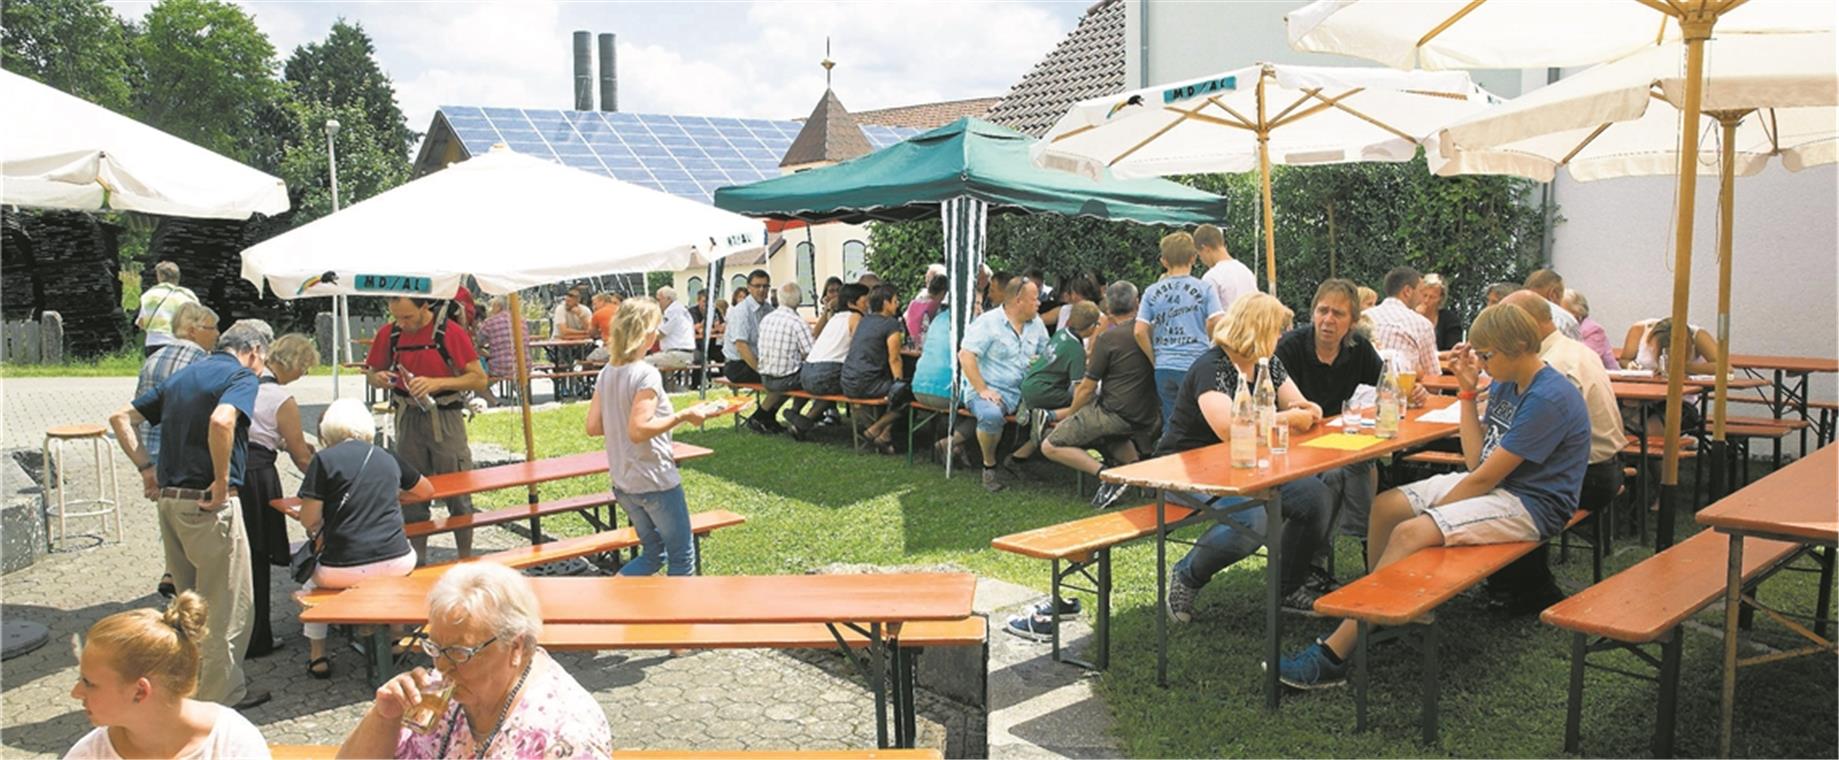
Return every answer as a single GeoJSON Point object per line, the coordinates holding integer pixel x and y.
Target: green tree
{"type": "Point", "coordinates": [78, 46]}
{"type": "Point", "coordinates": [343, 71]}
{"type": "Point", "coordinates": [368, 162]}
{"type": "Point", "coordinates": [210, 78]}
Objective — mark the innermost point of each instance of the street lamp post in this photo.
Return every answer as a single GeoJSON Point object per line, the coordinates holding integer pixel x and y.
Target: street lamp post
{"type": "Point", "coordinates": [341, 339]}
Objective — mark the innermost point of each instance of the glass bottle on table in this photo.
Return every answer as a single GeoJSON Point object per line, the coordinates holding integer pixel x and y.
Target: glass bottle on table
{"type": "Point", "coordinates": [1265, 399]}
{"type": "Point", "coordinates": [1390, 401]}
{"type": "Point", "coordinates": [1244, 443]}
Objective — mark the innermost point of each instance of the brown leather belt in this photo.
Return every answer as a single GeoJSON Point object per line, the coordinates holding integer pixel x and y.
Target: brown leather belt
{"type": "Point", "coordinates": [190, 493]}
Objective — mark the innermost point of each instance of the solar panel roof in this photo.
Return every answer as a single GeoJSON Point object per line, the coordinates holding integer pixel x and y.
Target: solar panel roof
{"type": "Point", "coordinates": [687, 156]}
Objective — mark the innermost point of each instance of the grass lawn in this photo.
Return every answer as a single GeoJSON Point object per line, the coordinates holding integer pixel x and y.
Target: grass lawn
{"type": "Point", "coordinates": [1504, 681]}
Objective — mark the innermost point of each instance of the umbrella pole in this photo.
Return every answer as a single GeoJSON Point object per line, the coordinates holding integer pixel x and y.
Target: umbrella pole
{"type": "Point", "coordinates": [522, 361]}
{"type": "Point", "coordinates": [337, 356]}
{"type": "Point", "coordinates": [1264, 177]}
{"type": "Point", "coordinates": [1721, 469]}
{"type": "Point", "coordinates": [1695, 29]}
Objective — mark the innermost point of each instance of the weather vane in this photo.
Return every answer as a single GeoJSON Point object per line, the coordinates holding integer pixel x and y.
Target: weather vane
{"type": "Point", "coordinates": [827, 63]}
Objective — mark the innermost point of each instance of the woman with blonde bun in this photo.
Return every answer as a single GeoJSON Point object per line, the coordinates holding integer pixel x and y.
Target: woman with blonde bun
{"type": "Point", "coordinates": [136, 673]}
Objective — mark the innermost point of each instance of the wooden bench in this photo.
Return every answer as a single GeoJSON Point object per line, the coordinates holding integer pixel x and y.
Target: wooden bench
{"type": "Point", "coordinates": [1084, 547]}
{"type": "Point", "coordinates": [560, 550]}
{"type": "Point", "coordinates": [330, 751]}
{"type": "Point", "coordinates": [1646, 605]}
{"type": "Point", "coordinates": [1401, 595]}
{"type": "Point", "coordinates": [926, 414]}
{"type": "Point", "coordinates": [847, 402]}
{"type": "Point", "coordinates": [1741, 435]}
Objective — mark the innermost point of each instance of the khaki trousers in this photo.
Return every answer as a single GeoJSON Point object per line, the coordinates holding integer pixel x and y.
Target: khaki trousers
{"type": "Point", "coordinates": [208, 552]}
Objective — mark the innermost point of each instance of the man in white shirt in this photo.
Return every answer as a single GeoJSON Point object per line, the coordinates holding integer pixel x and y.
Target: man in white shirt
{"type": "Point", "coordinates": [571, 320]}
{"type": "Point", "coordinates": [1229, 277]}
{"type": "Point", "coordinates": [1398, 328]}
{"type": "Point", "coordinates": [1550, 286]}
{"type": "Point", "coordinates": [677, 341]}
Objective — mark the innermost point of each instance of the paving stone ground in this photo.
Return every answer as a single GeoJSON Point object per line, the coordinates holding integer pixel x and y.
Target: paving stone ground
{"type": "Point", "coordinates": [708, 700]}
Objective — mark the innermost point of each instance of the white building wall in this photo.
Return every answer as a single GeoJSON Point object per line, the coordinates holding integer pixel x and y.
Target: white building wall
{"type": "Point", "coordinates": [1616, 246]}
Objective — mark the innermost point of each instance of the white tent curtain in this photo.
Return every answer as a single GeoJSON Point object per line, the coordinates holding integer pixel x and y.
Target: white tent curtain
{"type": "Point", "coordinates": [965, 221]}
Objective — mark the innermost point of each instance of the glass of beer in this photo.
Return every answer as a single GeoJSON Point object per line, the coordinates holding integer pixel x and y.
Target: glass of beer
{"type": "Point", "coordinates": [1407, 383]}
{"type": "Point", "coordinates": [434, 696]}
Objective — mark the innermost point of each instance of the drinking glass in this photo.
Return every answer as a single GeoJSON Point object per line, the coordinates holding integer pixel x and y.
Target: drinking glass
{"type": "Point", "coordinates": [1407, 382]}
{"type": "Point", "coordinates": [1280, 439]}
{"type": "Point", "coordinates": [1350, 418]}
{"type": "Point", "coordinates": [434, 695]}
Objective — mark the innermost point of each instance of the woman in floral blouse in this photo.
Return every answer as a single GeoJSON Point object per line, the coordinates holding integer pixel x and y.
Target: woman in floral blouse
{"type": "Point", "coordinates": [510, 699]}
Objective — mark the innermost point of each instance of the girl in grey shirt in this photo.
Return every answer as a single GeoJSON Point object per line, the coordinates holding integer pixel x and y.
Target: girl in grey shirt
{"type": "Point", "coordinates": [633, 413]}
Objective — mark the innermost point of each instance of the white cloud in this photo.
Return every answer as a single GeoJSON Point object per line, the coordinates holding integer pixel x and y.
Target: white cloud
{"type": "Point", "coordinates": [754, 59]}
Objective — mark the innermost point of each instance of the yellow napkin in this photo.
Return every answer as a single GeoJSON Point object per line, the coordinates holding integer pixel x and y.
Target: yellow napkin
{"type": "Point", "coordinates": [1341, 442]}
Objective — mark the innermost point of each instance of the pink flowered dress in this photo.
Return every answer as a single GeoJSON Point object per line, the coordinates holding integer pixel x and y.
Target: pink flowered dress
{"type": "Point", "coordinates": [555, 718]}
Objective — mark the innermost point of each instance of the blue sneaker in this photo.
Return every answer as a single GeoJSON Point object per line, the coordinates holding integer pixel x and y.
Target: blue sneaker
{"type": "Point", "coordinates": [1312, 669]}
{"type": "Point", "coordinates": [1032, 627]}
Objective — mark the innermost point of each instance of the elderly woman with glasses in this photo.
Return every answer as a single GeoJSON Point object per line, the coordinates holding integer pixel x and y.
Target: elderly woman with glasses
{"type": "Point", "coordinates": [509, 699]}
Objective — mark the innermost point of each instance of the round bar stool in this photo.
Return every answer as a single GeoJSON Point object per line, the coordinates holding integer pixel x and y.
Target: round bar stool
{"type": "Point", "coordinates": [55, 440]}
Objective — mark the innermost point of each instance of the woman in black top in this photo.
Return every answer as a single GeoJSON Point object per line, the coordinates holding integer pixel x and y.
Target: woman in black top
{"type": "Point", "coordinates": [351, 500]}
{"type": "Point", "coordinates": [874, 367]}
{"type": "Point", "coordinates": [1432, 296]}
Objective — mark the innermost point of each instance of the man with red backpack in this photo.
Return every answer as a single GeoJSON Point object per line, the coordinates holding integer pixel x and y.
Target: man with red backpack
{"type": "Point", "coordinates": [430, 368]}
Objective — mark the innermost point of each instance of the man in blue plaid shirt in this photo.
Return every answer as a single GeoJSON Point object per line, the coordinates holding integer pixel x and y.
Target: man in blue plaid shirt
{"type": "Point", "coordinates": [194, 333]}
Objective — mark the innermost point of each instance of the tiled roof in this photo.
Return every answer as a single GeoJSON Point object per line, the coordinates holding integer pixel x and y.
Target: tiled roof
{"type": "Point", "coordinates": [1087, 64]}
{"type": "Point", "coordinates": [928, 115]}
{"type": "Point", "coordinates": [829, 134]}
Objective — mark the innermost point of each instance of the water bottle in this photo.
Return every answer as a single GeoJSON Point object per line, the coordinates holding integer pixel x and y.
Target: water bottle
{"type": "Point", "coordinates": [1244, 429]}
{"type": "Point", "coordinates": [1391, 402]}
{"type": "Point", "coordinates": [1265, 399]}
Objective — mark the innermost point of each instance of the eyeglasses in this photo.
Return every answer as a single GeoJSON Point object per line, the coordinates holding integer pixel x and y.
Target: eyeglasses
{"type": "Point", "coordinates": [458, 655]}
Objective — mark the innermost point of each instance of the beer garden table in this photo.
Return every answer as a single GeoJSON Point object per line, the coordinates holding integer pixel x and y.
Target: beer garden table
{"type": "Point", "coordinates": [1208, 470]}
{"type": "Point", "coordinates": [1798, 504]}
{"type": "Point", "coordinates": [875, 606]}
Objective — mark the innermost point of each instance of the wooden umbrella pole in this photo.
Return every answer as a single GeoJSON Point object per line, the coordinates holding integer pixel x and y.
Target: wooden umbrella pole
{"type": "Point", "coordinates": [1264, 176]}
{"type": "Point", "coordinates": [522, 362]}
{"type": "Point", "coordinates": [1727, 171]}
{"type": "Point", "coordinates": [1695, 29]}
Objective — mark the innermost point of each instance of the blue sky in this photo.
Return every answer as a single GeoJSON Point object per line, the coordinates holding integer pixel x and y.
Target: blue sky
{"type": "Point", "coordinates": [754, 59]}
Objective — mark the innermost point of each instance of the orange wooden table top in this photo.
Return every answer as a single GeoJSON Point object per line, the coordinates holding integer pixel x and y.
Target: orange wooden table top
{"type": "Point", "coordinates": [1798, 501]}
{"type": "Point", "coordinates": [1209, 469]}
{"type": "Point", "coordinates": [716, 600]}
{"type": "Point", "coordinates": [1646, 390]}
{"type": "Point", "coordinates": [525, 473]}
{"type": "Point", "coordinates": [1784, 363]}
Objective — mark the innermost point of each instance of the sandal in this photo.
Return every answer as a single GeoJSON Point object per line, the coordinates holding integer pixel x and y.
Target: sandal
{"type": "Point", "coordinates": [314, 671]}
{"type": "Point", "coordinates": [166, 588]}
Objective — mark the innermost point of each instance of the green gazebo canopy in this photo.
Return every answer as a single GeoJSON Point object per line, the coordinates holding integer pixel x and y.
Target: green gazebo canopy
{"type": "Point", "coordinates": [966, 158]}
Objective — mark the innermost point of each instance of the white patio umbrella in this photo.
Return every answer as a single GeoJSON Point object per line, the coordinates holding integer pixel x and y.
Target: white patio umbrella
{"type": "Point", "coordinates": [1442, 34]}
{"type": "Point", "coordinates": [1253, 117]}
{"type": "Point", "coordinates": [62, 151]}
{"type": "Point", "coordinates": [509, 220]}
{"type": "Point", "coordinates": [1765, 96]}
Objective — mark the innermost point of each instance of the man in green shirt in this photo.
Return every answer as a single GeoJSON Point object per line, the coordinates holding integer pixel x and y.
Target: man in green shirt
{"type": "Point", "coordinates": [159, 304]}
{"type": "Point", "coordinates": [1047, 390]}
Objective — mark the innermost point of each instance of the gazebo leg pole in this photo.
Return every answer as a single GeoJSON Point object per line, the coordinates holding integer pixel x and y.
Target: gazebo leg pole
{"type": "Point", "coordinates": [1264, 177]}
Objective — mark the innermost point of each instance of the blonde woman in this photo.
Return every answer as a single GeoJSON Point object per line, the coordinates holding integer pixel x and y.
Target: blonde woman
{"type": "Point", "coordinates": [136, 672]}
{"type": "Point", "coordinates": [275, 427]}
{"type": "Point", "coordinates": [631, 410]}
{"type": "Point", "coordinates": [1203, 417]}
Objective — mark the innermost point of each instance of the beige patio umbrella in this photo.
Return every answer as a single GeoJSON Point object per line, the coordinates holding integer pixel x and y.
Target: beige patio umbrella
{"type": "Point", "coordinates": [1252, 117]}
{"type": "Point", "coordinates": [1442, 34]}
{"type": "Point", "coordinates": [1765, 96]}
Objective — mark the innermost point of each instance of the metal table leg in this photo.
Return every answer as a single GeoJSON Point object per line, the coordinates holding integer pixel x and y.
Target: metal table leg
{"type": "Point", "coordinates": [1733, 603]}
{"type": "Point", "coordinates": [1162, 589]}
{"type": "Point", "coordinates": [1273, 600]}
